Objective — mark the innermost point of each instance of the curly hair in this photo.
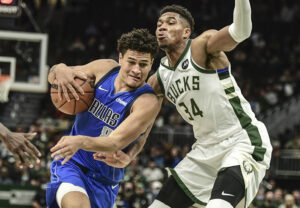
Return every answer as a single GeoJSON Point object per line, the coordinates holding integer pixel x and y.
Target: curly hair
{"type": "Point", "coordinates": [138, 40]}
{"type": "Point", "coordinates": [182, 11]}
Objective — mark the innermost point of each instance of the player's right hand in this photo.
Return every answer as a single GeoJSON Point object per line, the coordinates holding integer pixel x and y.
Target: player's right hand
{"type": "Point", "coordinates": [65, 77]}
{"type": "Point", "coordinates": [117, 159]}
{"type": "Point", "coordinates": [21, 148]}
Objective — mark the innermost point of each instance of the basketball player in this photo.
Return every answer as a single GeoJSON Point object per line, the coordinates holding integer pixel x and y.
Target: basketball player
{"type": "Point", "coordinates": [232, 151]}
{"type": "Point", "coordinates": [115, 119]}
{"type": "Point", "coordinates": [20, 146]}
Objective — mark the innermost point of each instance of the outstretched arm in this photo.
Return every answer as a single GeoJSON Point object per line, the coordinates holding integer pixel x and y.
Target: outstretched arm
{"type": "Point", "coordinates": [228, 38]}
{"type": "Point", "coordinates": [143, 114]}
{"type": "Point", "coordinates": [20, 146]}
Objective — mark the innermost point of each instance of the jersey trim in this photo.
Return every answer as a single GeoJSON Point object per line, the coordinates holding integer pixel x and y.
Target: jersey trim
{"type": "Point", "coordinates": [160, 82]}
{"type": "Point", "coordinates": [185, 189]}
{"type": "Point", "coordinates": [244, 119]}
{"type": "Point", "coordinates": [200, 69]}
{"type": "Point", "coordinates": [181, 57]}
{"type": "Point", "coordinates": [117, 68]}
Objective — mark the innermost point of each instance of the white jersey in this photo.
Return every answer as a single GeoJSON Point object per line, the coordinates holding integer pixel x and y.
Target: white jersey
{"type": "Point", "coordinates": [210, 101]}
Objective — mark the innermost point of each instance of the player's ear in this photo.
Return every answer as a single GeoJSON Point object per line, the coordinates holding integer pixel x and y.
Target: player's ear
{"type": "Point", "coordinates": [120, 58]}
{"type": "Point", "coordinates": [186, 33]}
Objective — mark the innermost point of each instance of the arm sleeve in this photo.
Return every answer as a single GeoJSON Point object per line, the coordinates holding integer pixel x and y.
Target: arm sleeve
{"type": "Point", "coordinates": [241, 27]}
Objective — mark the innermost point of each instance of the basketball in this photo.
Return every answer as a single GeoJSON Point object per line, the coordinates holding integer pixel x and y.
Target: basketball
{"type": "Point", "coordinates": [74, 106]}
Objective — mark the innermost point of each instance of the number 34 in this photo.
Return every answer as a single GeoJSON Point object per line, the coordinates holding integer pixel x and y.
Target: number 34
{"type": "Point", "coordinates": [195, 109]}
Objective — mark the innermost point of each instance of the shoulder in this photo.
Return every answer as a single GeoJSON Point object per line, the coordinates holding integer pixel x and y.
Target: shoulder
{"type": "Point", "coordinates": [154, 83]}
{"type": "Point", "coordinates": [146, 101]}
{"type": "Point", "coordinates": [199, 48]}
{"type": "Point", "coordinates": [100, 67]}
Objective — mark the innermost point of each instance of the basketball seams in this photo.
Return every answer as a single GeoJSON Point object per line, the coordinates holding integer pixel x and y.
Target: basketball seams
{"type": "Point", "coordinates": [85, 102]}
{"type": "Point", "coordinates": [74, 106]}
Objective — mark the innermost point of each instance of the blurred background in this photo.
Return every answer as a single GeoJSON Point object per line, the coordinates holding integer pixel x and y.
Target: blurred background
{"type": "Point", "coordinates": [36, 34]}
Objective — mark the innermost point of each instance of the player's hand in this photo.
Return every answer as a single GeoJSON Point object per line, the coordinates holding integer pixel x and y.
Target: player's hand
{"type": "Point", "coordinates": [65, 77]}
{"type": "Point", "coordinates": [66, 147]}
{"type": "Point", "coordinates": [21, 148]}
{"type": "Point", "coordinates": [117, 159]}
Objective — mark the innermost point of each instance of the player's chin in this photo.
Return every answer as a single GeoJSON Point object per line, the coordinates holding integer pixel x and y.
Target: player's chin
{"type": "Point", "coordinates": [134, 84]}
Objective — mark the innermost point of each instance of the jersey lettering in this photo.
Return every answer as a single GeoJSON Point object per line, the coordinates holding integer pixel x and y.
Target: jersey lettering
{"type": "Point", "coordinates": [103, 113]}
{"type": "Point", "coordinates": [182, 85]}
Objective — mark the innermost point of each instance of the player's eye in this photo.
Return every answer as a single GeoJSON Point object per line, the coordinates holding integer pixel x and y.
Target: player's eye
{"type": "Point", "coordinates": [143, 65]}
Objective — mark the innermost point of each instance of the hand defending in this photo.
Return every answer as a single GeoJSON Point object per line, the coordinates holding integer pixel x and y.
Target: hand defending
{"type": "Point", "coordinates": [117, 159]}
{"type": "Point", "coordinates": [21, 148]}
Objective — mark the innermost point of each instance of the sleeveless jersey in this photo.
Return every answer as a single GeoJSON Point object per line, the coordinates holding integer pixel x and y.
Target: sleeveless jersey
{"type": "Point", "coordinates": [210, 101]}
{"type": "Point", "coordinates": [106, 112]}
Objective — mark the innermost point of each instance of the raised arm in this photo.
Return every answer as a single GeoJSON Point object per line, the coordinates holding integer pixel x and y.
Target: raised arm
{"type": "Point", "coordinates": [65, 75]}
{"type": "Point", "coordinates": [228, 37]}
{"type": "Point", "coordinates": [143, 114]}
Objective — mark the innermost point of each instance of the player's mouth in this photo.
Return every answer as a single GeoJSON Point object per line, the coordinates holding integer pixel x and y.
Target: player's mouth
{"type": "Point", "coordinates": [161, 36]}
{"type": "Point", "coordinates": [135, 78]}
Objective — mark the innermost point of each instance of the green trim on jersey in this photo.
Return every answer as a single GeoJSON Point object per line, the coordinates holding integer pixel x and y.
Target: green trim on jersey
{"type": "Point", "coordinates": [229, 90]}
{"type": "Point", "coordinates": [160, 82]}
{"type": "Point", "coordinates": [245, 120]}
{"type": "Point", "coordinates": [245, 206]}
{"type": "Point", "coordinates": [181, 57]}
{"type": "Point", "coordinates": [252, 131]}
{"type": "Point", "coordinates": [185, 189]}
{"type": "Point", "coordinates": [200, 69]}
{"type": "Point", "coordinates": [224, 75]}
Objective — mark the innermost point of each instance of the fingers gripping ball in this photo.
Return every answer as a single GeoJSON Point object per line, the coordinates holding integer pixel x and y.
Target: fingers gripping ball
{"type": "Point", "coordinates": [74, 106]}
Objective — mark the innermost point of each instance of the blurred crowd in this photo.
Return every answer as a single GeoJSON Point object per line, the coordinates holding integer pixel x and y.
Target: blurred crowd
{"type": "Point", "coordinates": [266, 67]}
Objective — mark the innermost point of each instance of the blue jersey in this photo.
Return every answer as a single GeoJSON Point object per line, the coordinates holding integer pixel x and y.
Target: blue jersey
{"type": "Point", "coordinates": [107, 111]}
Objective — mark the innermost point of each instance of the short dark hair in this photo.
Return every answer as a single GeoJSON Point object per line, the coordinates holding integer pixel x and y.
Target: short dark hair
{"type": "Point", "coordinates": [182, 11]}
{"type": "Point", "coordinates": [138, 40]}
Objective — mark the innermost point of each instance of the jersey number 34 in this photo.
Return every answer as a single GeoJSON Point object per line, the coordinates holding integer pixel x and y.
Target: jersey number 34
{"type": "Point", "coordinates": [195, 109]}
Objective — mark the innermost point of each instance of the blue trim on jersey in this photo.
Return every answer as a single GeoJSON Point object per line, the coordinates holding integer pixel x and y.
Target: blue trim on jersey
{"type": "Point", "coordinates": [222, 70]}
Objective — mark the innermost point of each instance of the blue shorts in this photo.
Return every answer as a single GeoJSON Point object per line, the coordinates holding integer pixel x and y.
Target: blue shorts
{"type": "Point", "coordinates": [102, 194]}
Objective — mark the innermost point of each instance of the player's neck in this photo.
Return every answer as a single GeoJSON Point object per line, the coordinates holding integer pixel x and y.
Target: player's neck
{"type": "Point", "coordinates": [121, 86]}
{"type": "Point", "coordinates": [174, 52]}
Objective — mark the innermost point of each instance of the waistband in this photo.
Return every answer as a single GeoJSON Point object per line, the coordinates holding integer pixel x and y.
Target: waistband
{"type": "Point", "coordinates": [95, 175]}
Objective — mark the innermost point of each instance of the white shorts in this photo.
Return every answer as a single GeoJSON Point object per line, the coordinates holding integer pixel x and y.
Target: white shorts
{"type": "Point", "coordinates": [197, 172]}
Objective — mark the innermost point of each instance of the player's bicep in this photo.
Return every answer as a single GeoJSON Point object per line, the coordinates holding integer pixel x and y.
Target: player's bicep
{"type": "Point", "coordinates": [97, 68]}
{"type": "Point", "coordinates": [220, 41]}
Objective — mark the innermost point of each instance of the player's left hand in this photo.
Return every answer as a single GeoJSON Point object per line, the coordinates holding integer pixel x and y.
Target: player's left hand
{"type": "Point", "coordinates": [117, 159]}
{"type": "Point", "coordinates": [66, 148]}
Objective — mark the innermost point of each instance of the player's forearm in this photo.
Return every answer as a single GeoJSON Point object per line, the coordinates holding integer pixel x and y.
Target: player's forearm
{"type": "Point", "coordinates": [241, 27]}
{"type": "Point", "coordinates": [100, 144]}
{"type": "Point", "coordinates": [137, 147]}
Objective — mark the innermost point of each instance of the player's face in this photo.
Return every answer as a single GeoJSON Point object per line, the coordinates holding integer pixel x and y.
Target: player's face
{"type": "Point", "coordinates": [170, 30]}
{"type": "Point", "coordinates": [135, 67]}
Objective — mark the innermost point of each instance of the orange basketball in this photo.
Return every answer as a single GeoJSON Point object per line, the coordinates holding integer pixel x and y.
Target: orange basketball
{"type": "Point", "coordinates": [74, 106]}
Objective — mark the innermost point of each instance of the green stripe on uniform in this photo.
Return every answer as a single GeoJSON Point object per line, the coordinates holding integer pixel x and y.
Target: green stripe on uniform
{"type": "Point", "coordinates": [252, 131]}
{"type": "Point", "coordinates": [160, 82]}
{"type": "Point", "coordinates": [185, 189]}
{"type": "Point", "coordinates": [224, 75]}
{"type": "Point", "coordinates": [229, 90]}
